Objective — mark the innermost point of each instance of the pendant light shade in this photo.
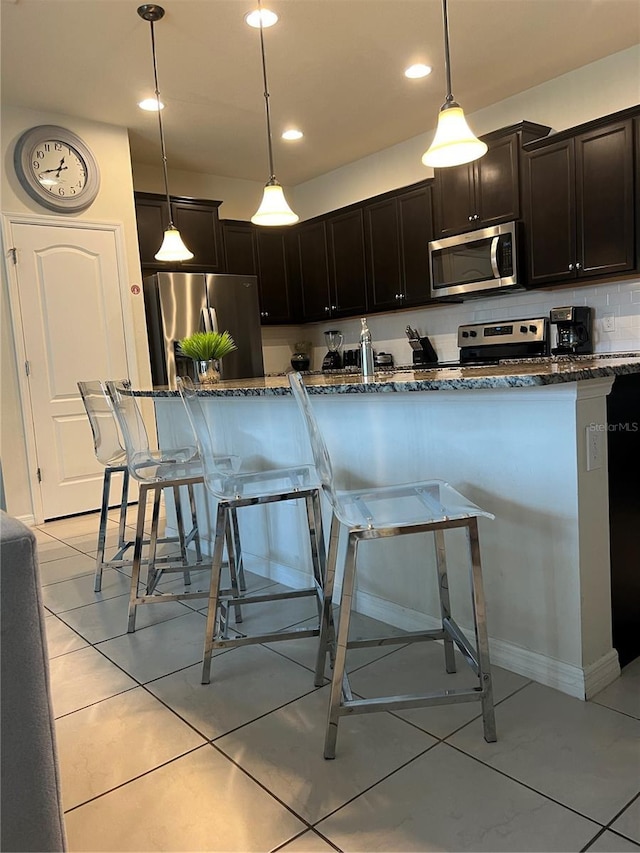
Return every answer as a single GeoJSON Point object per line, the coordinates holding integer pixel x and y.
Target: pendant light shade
{"type": "Point", "coordinates": [454, 142]}
{"type": "Point", "coordinates": [273, 209]}
{"type": "Point", "coordinates": [172, 248]}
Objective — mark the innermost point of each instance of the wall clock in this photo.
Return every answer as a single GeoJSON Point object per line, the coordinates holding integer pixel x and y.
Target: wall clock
{"type": "Point", "coordinates": [56, 168]}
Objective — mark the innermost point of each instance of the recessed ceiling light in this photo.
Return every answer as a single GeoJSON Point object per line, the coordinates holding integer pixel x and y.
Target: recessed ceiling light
{"type": "Point", "coordinates": [151, 105]}
{"type": "Point", "coordinates": [416, 71]}
{"type": "Point", "coordinates": [269, 18]}
{"type": "Point", "coordinates": [292, 134]}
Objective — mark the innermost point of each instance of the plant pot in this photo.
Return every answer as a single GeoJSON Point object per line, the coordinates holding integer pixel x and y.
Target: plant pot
{"type": "Point", "coordinates": [208, 372]}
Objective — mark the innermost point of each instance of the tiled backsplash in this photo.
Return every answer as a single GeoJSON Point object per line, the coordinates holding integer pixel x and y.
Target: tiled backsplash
{"type": "Point", "coordinates": [620, 299]}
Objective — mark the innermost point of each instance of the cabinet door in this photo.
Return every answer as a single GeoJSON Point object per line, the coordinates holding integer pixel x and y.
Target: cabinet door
{"type": "Point", "coordinates": [239, 247]}
{"type": "Point", "coordinates": [198, 225]}
{"type": "Point", "coordinates": [347, 274]}
{"type": "Point", "coordinates": [314, 273]}
{"type": "Point", "coordinates": [604, 200]}
{"type": "Point", "coordinates": [550, 213]}
{"type": "Point", "coordinates": [455, 199]}
{"type": "Point", "coordinates": [273, 278]}
{"type": "Point", "coordinates": [496, 177]}
{"type": "Point", "coordinates": [416, 230]}
{"type": "Point", "coordinates": [384, 272]}
{"type": "Point", "coordinates": [152, 219]}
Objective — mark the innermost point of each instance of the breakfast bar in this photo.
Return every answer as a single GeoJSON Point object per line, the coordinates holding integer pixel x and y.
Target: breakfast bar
{"type": "Point", "coordinates": [526, 441]}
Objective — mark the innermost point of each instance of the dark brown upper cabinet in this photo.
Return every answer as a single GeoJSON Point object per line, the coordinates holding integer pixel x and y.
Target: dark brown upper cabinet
{"type": "Point", "coordinates": [313, 259]}
{"type": "Point", "coordinates": [197, 221]}
{"type": "Point", "coordinates": [486, 191]}
{"type": "Point", "coordinates": [579, 205]}
{"type": "Point", "coordinates": [240, 250]}
{"type": "Point", "coordinates": [398, 229]}
{"type": "Point", "coordinates": [265, 253]}
{"type": "Point", "coordinates": [276, 280]}
{"type": "Point", "coordinates": [347, 272]}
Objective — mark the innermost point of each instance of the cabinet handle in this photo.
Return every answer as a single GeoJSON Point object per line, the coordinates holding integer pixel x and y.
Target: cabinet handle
{"type": "Point", "coordinates": [476, 216]}
{"type": "Point", "coordinates": [335, 307]}
{"type": "Point", "coordinates": [578, 265]}
{"type": "Point", "coordinates": [327, 309]}
{"type": "Point", "coordinates": [264, 313]}
{"type": "Point", "coordinates": [570, 266]}
{"type": "Point", "coordinates": [470, 218]}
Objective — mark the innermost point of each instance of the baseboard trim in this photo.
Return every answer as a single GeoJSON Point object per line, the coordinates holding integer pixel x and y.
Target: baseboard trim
{"type": "Point", "coordinates": [28, 520]}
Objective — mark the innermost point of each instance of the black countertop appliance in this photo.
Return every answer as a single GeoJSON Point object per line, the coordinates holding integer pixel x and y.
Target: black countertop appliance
{"type": "Point", "coordinates": [574, 330]}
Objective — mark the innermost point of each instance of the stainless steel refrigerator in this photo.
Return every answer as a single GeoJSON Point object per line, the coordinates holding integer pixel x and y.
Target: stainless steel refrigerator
{"type": "Point", "coordinates": [178, 304]}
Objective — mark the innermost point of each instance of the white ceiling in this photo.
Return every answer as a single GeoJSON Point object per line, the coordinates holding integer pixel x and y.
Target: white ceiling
{"type": "Point", "coordinates": [335, 70]}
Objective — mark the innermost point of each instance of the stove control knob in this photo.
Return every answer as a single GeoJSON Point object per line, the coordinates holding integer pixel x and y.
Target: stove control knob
{"type": "Point", "coordinates": [465, 334]}
{"type": "Point", "coordinates": [473, 334]}
{"type": "Point", "coordinates": [533, 329]}
{"type": "Point", "coordinates": [524, 330]}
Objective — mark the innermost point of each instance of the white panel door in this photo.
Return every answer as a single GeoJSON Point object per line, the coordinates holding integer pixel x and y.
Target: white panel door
{"type": "Point", "coordinates": [72, 323]}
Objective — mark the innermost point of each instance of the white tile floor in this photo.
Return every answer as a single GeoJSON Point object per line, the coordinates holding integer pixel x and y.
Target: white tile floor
{"type": "Point", "coordinates": [152, 760]}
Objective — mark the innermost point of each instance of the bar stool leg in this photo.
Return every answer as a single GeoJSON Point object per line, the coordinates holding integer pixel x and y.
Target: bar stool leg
{"type": "Point", "coordinates": [153, 574]}
{"type": "Point", "coordinates": [102, 530]}
{"type": "Point", "coordinates": [233, 573]}
{"type": "Point", "coordinates": [238, 547]}
{"type": "Point", "coordinates": [327, 633]}
{"type": "Point", "coordinates": [445, 605]}
{"type": "Point", "coordinates": [214, 591]}
{"type": "Point", "coordinates": [482, 639]}
{"type": "Point", "coordinates": [124, 500]}
{"type": "Point", "coordinates": [339, 667]}
{"type": "Point", "coordinates": [194, 523]}
{"type": "Point", "coordinates": [316, 542]}
{"type": "Point", "coordinates": [181, 536]}
{"type": "Point", "coordinates": [137, 557]}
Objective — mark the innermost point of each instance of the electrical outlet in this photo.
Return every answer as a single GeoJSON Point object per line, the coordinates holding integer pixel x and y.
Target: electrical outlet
{"type": "Point", "coordinates": [608, 322]}
{"type": "Point", "coordinates": [595, 446]}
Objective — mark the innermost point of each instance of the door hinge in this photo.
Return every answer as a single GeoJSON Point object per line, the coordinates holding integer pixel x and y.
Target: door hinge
{"type": "Point", "coordinates": [14, 255]}
{"type": "Point", "coordinates": [27, 368]}
{"type": "Point", "coordinates": [39, 475]}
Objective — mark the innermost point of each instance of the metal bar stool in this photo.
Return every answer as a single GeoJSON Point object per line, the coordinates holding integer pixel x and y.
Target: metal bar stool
{"type": "Point", "coordinates": [235, 490]}
{"type": "Point", "coordinates": [376, 513]}
{"type": "Point", "coordinates": [155, 471]}
{"type": "Point", "coordinates": [110, 453]}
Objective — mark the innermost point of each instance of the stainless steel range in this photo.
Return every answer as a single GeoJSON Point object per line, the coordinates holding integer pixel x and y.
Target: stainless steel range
{"type": "Point", "coordinates": [489, 343]}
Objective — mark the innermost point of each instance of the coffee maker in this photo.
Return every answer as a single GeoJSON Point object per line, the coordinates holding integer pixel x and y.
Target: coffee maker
{"type": "Point", "coordinates": [574, 330]}
{"type": "Point", "coordinates": [333, 359]}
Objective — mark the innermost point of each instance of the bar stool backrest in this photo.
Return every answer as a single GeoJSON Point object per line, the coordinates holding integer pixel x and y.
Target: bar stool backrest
{"type": "Point", "coordinates": [321, 457]}
{"type": "Point", "coordinates": [219, 466]}
{"type": "Point", "coordinates": [107, 441]}
{"type": "Point", "coordinates": [134, 432]}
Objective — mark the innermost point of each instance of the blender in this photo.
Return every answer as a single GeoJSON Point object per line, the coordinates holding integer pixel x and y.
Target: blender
{"type": "Point", "coordinates": [333, 359]}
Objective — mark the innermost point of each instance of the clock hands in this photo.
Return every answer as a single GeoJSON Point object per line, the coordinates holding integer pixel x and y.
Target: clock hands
{"type": "Point", "coordinates": [60, 168]}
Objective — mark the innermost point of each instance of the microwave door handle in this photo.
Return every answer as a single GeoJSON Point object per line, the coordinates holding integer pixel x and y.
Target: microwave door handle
{"type": "Point", "coordinates": [494, 257]}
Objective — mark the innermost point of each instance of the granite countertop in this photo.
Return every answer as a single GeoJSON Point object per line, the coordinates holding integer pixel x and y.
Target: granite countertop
{"type": "Point", "coordinates": [514, 373]}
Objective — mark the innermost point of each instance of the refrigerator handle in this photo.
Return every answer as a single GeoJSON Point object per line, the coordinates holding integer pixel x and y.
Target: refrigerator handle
{"type": "Point", "coordinates": [213, 320]}
{"type": "Point", "coordinates": [205, 320]}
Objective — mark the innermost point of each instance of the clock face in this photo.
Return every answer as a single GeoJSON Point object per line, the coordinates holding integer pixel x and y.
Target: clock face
{"type": "Point", "coordinates": [59, 168]}
{"type": "Point", "coordinates": [56, 168]}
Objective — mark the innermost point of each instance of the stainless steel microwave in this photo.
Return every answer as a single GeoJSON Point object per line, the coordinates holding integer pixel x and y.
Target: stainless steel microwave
{"type": "Point", "coordinates": [475, 262]}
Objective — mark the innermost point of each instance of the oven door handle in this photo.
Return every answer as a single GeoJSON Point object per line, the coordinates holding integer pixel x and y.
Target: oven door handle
{"type": "Point", "coordinates": [494, 257]}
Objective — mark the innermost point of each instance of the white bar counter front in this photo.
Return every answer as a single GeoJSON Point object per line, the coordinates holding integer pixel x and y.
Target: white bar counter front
{"type": "Point", "coordinates": [526, 441]}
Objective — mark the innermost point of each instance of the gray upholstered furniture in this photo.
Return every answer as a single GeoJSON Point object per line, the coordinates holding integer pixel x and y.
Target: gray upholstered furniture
{"type": "Point", "coordinates": [30, 801]}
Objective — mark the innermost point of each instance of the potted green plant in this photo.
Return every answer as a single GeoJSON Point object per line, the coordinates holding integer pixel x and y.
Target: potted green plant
{"type": "Point", "coordinates": [206, 349]}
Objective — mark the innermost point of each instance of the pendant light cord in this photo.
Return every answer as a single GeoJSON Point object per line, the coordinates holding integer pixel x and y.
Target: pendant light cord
{"type": "Point", "coordinates": [160, 126]}
{"type": "Point", "coordinates": [272, 175]}
{"type": "Point", "coordinates": [447, 61]}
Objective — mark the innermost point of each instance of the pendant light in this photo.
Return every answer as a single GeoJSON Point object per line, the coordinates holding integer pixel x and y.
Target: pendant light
{"type": "Point", "coordinates": [172, 249]}
{"type": "Point", "coordinates": [273, 209]}
{"type": "Point", "coordinates": [454, 142]}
